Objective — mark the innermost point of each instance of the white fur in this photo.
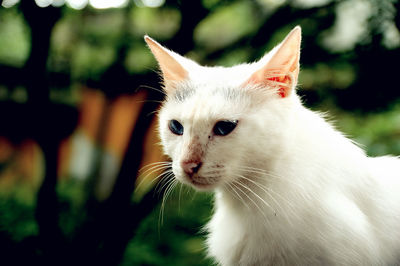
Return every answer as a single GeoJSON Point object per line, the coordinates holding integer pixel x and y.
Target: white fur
{"type": "Point", "coordinates": [307, 194]}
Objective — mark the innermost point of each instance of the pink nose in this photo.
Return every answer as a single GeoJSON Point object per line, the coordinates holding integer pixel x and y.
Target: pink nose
{"type": "Point", "coordinates": [191, 167]}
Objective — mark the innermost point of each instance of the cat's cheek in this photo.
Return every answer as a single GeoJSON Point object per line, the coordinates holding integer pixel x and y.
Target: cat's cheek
{"type": "Point", "coordinates": [178, 172]}
{"type": "Point", "coordinates": [171, 145]}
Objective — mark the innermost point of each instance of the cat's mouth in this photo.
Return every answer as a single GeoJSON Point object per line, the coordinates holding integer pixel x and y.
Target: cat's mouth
{"type": "Point", "coordinates": [201, 182]}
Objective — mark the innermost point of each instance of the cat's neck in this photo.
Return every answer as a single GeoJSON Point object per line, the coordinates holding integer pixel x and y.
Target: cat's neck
{"type": "Point", "coordinates": [313, 136]}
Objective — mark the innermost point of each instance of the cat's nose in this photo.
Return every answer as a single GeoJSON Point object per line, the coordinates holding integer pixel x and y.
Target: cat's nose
{"type": "Point", "coordinates": [191, 167]}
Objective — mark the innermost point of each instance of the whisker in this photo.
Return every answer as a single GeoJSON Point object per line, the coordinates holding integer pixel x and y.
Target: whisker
{"type": "Point", "coordinates": [166, 180]}
{"type": "Point", "coordinates": [151, 113]}
{"type": "Point", "coordinates": [262, 200]}
{"type": "Point", "coordinates": [289, 204]}
{"type": "Point", "coordinates": [154, 179]}
{"type": "Point", "coordinates": [264, 174]}
{"type": "Point", "coordinates": [152, 88]}
{"type": "Point", "coordinates": [210, 172]}
{"type": "Point", "coordinates": [262, 187]}
{"type": "Point", "coordinates": [160, 162]}
{"type": "Point", "coordinates": [268, 191]}
{"type": "Point", "coordinates": [193, 196]}
{"type": "Point", "coordinates": [156, 169]}
{"type": "Point", "coordinates": [267, 174]}
{"type": "Point", "coordinates": [171, 184]}
{"type": "Point", "coordinates": [153, 171]}
{"type": "Point", "coordinates": [179, 196]}
{"type": "Point", "coordinates": [237, 196]}
{"type": "Point", "coordinates": [255, 204]}
{"type": "Point", "coordinates": [152, 165]}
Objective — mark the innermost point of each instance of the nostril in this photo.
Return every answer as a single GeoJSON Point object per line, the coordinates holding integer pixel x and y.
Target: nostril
{"type": "Point", "coordinates": [197, 167]}
{"type": "Point", "coordinates": [191, 167]}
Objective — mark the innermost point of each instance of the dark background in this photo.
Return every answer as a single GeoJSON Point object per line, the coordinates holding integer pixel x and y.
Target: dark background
{"type": "Point", "coordinates": [78, 91]}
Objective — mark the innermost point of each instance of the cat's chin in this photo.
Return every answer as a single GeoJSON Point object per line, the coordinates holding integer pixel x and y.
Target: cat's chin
{"type": "Point", "coordinates": [202, 186]}
{"type": "Point", "coordinates": [199, 184]}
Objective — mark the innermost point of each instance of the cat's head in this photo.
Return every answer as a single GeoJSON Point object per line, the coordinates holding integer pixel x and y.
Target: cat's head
{"type": "Point", "coordinates": [217, 122]}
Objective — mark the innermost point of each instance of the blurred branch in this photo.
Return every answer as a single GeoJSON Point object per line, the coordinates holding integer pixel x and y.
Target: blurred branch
{"type": "Point", "coordinates": [397, 14]}
{"type": "Point", "coordinates": [284, 15]}
{"type": "Point", "coordinates": [49, 123]}
{"type": "Point", "coordinates": [41, 22]}
{"type": "Point", "coordinates": [192, 13]}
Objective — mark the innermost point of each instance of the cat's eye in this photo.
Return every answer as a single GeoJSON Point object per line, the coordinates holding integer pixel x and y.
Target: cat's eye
{"type": "Point", "coordinates": [223, 128]}
{"type": "Point", "coordinates": [175, 127]}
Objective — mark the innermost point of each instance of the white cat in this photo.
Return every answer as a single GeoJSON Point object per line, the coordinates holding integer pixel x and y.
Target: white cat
{"type": "Point", "coordinates": [289, 188]}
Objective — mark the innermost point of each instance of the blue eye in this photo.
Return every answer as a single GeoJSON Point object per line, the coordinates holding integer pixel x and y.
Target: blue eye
{"type": "Point", "coordinates": [223, 128]}
{"type": "Point", "coordinates": [175, 127]}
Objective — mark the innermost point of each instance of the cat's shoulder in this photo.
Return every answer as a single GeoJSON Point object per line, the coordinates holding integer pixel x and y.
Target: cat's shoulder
{"type": "Point", "coordinates": [386, 161]}
{"type": "Point", "coordinates": [385, 170]}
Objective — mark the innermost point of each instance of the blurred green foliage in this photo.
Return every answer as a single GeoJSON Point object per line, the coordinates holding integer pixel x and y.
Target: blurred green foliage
{"type": "Point", "coordinates": [173, 237]}
{"type": "Point", "coordinates": [17, 217]}
{"type": "Point", "coordinates": [14, 35]}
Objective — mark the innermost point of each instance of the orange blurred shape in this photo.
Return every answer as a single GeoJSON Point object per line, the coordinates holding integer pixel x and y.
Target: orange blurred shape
{"type": "Point", "coordinates": [6, 149]}
{"type": "Point", "coordinates": [91, 110]}
{"type": "Point", "coordinates": [23, 167]}
{"type": "Point", "coordinates": [64, 158]}
{"type": "Point", "coordinates": [27, 158]}
{"type": "Point", "coordinates": [152, 147]}
{"type": "Point", "coordinates": [121, 114]}
{"type": "Point", "coordinates": [124, 112]}
{"type": "Point", "coordinates": [90, 116]}
{"type": "Point", "coordinates": [152, 153]}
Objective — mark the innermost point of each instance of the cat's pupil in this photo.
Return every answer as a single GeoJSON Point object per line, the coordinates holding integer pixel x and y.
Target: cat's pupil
{"type": "Point", "coordinates": [223, 128]}
{"type": "Point", "coordinates": [175, 127]}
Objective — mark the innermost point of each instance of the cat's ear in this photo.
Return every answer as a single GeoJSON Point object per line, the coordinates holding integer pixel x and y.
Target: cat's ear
{"type": "Point", "coordinates": [281, 69]}
{"type": "Point", "coordinates": [171, 69]}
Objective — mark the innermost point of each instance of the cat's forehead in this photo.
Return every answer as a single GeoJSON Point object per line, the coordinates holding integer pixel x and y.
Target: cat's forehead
{"type": "Point", "coordinates": [213, 81]}
{"type": "Point", "coordinates": [209, 94]}
{"type": "Point", "coordinates": [219, 76]}
{"type": "Point", "coordinates": [222, 93]}
{"type": "Point", "coordinates": [205, 103]}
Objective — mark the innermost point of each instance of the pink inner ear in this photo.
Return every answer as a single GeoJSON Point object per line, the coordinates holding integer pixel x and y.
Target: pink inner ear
{"type": "Point", "coordinates": [282, 82]}
{"type": "Point", "coordinates": [282, 68]}
{"type": "Point", "coordinates": [283, 90]}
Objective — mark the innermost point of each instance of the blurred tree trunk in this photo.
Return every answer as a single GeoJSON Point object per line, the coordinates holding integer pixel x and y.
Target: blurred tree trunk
{"type": "Point", "coordinates": [49, 123]}
{"type": "Point", "coordinates": [111, 223]}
